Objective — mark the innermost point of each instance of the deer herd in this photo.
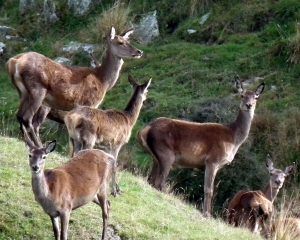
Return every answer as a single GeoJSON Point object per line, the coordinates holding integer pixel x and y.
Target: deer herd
{"type": "Point", "coordinates": [72, 95]}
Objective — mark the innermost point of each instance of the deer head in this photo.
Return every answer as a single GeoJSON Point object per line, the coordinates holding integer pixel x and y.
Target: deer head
{"type": "Point", "coordinates": [277, 176]}
{"type": "Point", "coordinates": [141, 89]}
{"type": "Point", "coordinates": [249, 98]}
{"type": "Point", "coordinates": [37, 155]}
{"type": "Point", "coordinates": [120, 46]}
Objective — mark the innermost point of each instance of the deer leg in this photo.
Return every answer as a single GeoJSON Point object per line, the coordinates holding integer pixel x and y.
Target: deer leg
{"type": "Point", "coordinates": [165, 158]}
{"type": "Point", "coordinates": [154, 173]}
{"type": "Point", "coordinates": [39, 118]}
{"type": "Point", "coordinates": [55, 226]}
{"type": "Point", "coordinates": [64, 220]}
{"type": "Point", "coordinates": [210, 174]}
{"type": "Point", "coordinates": [104, 203]}
{"type": "Point", "coordinates": [28, 108]}
{"type": "Point", "coordinates": [115, 186]}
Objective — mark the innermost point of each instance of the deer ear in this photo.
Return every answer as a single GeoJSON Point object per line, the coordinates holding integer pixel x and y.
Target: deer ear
{"type": "Point", "coordinates": [50, 146]}
{"type": "Point", "coordinates": [147, 84]}
{"type": "Point", "coordinates": [131, 80]}
{"type": "Point", "coordinates": [269, 164]}
{"type": "Point", "coordinates": [112, 33]}
{"type": "Point", "coordinates": [259, 90]}
{"type": "Point", "coordinates": [238, 84]}
{"type": "Point", "coordinates": [127, 33]}
{"type": "Point", "coordinates": [289, 170]}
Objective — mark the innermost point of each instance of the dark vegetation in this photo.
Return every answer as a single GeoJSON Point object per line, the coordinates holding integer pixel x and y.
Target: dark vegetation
{"type": "Point", "coordinates": [192, 79]}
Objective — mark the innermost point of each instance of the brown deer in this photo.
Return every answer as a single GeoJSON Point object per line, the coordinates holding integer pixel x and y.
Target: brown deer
{"type": "Point", "coordinates": [83, 179]}
{"type": "Point", "coordinates": [110, 129]}
{"type": "Point", "coordinates": [44, 84]}
{"type": "Point", "coordinates": [174, 142]}
{"type": "Point", "coordinates": [253, 208]}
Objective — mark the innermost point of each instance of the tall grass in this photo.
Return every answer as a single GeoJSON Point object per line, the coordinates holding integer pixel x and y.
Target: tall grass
{"type": "Point", "coordinates": [284, 225]}
{"type": "Point", "coordinates": [118, 16]}
{"type": "Point", "coordinates": [295, 46]}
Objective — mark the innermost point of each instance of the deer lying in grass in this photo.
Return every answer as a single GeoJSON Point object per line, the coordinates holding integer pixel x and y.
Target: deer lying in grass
{"type": "Point", "coordinates": [44, 84]}
{"type": "Point", "coordinates": [83, 179]}
{"type": "Point", "coordinates": [174, 142]}
{"type": "Point", "coordinates": [253, 208]}
{"type": "Point", "coordinates": [110, 129]}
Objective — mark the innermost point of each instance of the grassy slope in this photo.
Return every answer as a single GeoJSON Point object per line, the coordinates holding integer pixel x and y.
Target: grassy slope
{"type": "Point", "coordinates": [140, 213]}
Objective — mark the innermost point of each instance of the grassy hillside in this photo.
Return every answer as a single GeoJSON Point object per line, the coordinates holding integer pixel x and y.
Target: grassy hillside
{"type": "Point", "coordinates": [192, 79]}
{"type": "Point", "coordinates": [139, 213]}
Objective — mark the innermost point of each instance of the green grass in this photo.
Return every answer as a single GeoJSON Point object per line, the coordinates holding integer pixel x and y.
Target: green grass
{"type": "Point", "coordinates": [188, 74]}
{"type": "Point", "coordinates": [139, 213]}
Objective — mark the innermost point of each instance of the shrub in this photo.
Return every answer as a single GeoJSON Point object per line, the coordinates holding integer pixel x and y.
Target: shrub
{"type": "Point", "coordinates": [117, 16]}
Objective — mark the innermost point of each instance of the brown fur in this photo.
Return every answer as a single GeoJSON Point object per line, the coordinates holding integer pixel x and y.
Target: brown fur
{"type": "Point", "coordinates": [249, 208]}
{"type": "Point", "coordinates": [109, 129]}
{"type": "Point", "coordinates": [252, 208]}
{"type": "Point", "coordinates": [44, 84]}
{"type": "Point", "coordinates": [174, 142]}
{"type": "Point", "coordinates": [83, 179]}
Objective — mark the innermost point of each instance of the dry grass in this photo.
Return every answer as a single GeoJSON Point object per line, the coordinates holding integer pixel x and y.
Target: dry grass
{"type": "Point", "coordinates": [116, 16]}
{"type": "Point", "coordinates": [295, 46]}
{"type": "Point", "coordinates": [284, 224]}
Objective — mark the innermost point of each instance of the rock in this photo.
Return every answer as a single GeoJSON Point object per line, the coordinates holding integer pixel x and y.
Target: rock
{"type": "Point", "coordinates": [81, 7]}
{"type": "Point", "coordinates": [75, 47]}
{"type": "Point", "coordinates": [4, 30]}
{"type": "Point", "coordinates": [204, 18]}
{"type": "Point", "coordinates": [26, 5]}
{"type": "Point", "coordinates": [191, 31]}
{"type": "Point", "coordinates": [63, 60]}
{"type": "Point", "coordinates": [2, 48]}
{"type": "Point", "coordinates": [147, 29]}
{"type": "Point", "coordinates": [49, 12]}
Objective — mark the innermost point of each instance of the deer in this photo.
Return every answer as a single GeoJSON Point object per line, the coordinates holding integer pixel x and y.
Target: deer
{"type": "Point", "coordinates": [83, 179]}
{"type": "Point", "coordinates": [181, 143]}
{"type": "Point", "coordinates": [109, 129]}
{"type": "Point", "coordinates": [253, 208]}
{"type": "Point", "coordinates": [43, 84]}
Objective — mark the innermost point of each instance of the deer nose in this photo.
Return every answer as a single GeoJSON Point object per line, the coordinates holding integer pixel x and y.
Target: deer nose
{"type": "Point", "coordinates": [248, 106]}
{"type": "Point", "coordinates": [35, 168]}
{"type": "Point", "coordinates": [140, 52]}
{"type": "Point", "coordinates": [277, 182]}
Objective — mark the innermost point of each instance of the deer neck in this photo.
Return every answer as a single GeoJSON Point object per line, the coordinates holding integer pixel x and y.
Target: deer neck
{"type": "Point", "coordinates": [133, 108]}
{"type": "Point", "coordinates": [271, 193]}
{"type": "Point", "coordinates": [39, 185]}
{"type": "Point", "coordinates": [241, 126]}
{"type": "Point", "coordinates": [110, 69]}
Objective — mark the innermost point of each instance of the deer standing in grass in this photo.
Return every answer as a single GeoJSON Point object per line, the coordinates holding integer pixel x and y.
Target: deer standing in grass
{"type": "Point", "coordinates": [173, 142]}
{"type": "Point", "coordinates": [44, 84]}
{"type": "Point", "coordinates": [110, 129]}
{"type": "Point", "coordinates": [83, 179]}
{"type": "Point", "coordinates": [253, 208]}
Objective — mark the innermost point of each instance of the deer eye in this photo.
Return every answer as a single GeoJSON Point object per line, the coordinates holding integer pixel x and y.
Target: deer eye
{"type": "Point", "coordinates": [44, 157]}
{"type": "Point", "coordinates": [30, 156]}
{"type": "Point", "coordinates": [120, 43]}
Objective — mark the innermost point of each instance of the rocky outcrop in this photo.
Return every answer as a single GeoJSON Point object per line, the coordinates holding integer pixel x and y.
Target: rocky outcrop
{"type": "Point", "coordinates": [81, 7]}
{"type": "Point", "coordinates": [147, 29]}
{"type": "Point", "coordinates": [26, 6]}
{"type": "Point", "coordinates": [76, 47]}
{"type": "Point", "coordinates": [49, 12]}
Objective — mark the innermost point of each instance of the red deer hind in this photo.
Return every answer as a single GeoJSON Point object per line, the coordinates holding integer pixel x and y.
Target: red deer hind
{"type": "Point", "coordinates": [85, 178]}
{"type": "Point", "coordinates": [109, 129]}
{"type": "Point", "coordinates": [253, 208]}
{"type": "Point", "coordinates": [173, 142]}
{"type": "Point", "coordinates": [44, 84]}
